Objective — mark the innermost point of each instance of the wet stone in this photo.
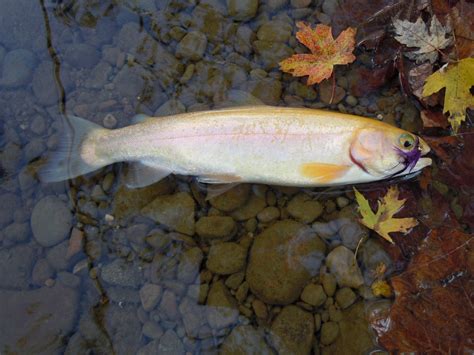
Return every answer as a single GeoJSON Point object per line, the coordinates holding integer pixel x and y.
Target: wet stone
{"type": "Point", "coordinates": [170, 107]}
{"type": "Point", "coordinates": [245, 339]}
{"type": "Point", "coordinates": [250, 209]}
{"type": "Point", "coordinates": [152, 330]}
{"type": "Point", "coordinates": [329, 284]}
{"type": "Point", "coordinates": [122, 273]}
{"type": "Point", "coordinates": [192, 46]}
{"type": "Point", "coordinates": [282, 260]}
{"type": "Point", "coordinates": [54, 309]}
{"type": "Point", "coordinates": [351, 233]}
{"type": "Point", "coordinates": [274, 31]}
{"type": "Point", "coordinates": [271, 53]}
{"type": "Point", "coordinates": [82, 55]}
{"type": "Point", "coordinates": [51, 221]}
{"type": "Point", "coordinates": [269, 214]}
{"type": "Point", "coordinates": [150, 296]}
{"type": "Point", "coordinates": [16, 264]}
{"type": "Point", "coordinates": [345, 297]}
{"type": "Point", "coordinates": [234, 280]}
{"type": "Point", "coordinates": [188, 267]}
{"type": "Point", "coordinates": [329, 332]}
{"type": "Point", "coordinates": [231, 199]}
{"type": "Point", "coordinates": [170, 344]}
{"type": "Point", "coordinates": [193, 316]}
{"type": "Point", "coordinates": [10, 202]}
{"type": "Point", "coordinates": [242, 10]}
{"type": "Point", "coordinates": [124, 328]}
{"type": "Point", "coordinates": [168, 306]}
{"type": "Point", "coordinates": [44, 85]}
{"type": "Point", "coordinates": [18, 68]}
{"type": "Point", "coordinates": [341, 262]}
{"type": "Point", "coordinates": [130, 82]}
{"type": "Point", "coordinates": [313, 295]}
{"type": "Point", "coordinates": [222, 307]}
{"type": "Point", "coordinates": [215, 227]}
{"type": "Point", "coordinates": [292, 331]}
{"type": "Point", "coordinates": [41, 272]}
{"type": "Point", "coordinates": [174, 211]}
{"type": "Point", "coordinates": [304, 209]}
{"type": "Point", "coordinates": [226, 258]}
{"type": "Point", "coordinates": [17, 232]}
{"type": "Point", "coordinates": [243, 40]}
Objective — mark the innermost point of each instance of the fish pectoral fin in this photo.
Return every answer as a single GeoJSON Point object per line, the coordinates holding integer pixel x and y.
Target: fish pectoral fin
{"type": "Point", "coordinates": [141, 175]}
{"type": "Point", "coordinates": [322, 172]}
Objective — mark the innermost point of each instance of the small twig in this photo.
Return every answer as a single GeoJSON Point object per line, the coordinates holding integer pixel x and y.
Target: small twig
{"type": "Point", "coordinates": [333, 92]}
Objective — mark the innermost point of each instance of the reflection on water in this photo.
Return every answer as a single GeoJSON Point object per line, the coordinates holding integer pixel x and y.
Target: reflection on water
{"type": "Point", "coordinates": [89, 265]}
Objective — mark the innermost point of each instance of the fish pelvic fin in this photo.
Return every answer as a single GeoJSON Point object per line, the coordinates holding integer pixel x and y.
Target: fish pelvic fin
{"type": "Point", "coordinates": [74, 155]}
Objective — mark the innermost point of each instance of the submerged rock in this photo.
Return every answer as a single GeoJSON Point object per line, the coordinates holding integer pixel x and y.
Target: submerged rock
{"type": "Point", "coordinates": [38, 321]}
{"type": "Point", "coordinates": [282, 260]}
{"type": "Point", "coordinates": [231, 199]}
{"type": "Point", "coordinates": [215, 227]}
{"type": "Point", "coordinates": [293, 331]}
{"type": "Point", "coordinates": [122, 273]}
{"type": "Point", "coordinates": [51, 221]}
{"type": "Point", "coordinates": [17, 68]}
{"type": "Point", "coordinates": [222, 311]}
{"type": "Point", "coordinates": [343, 266]}
{"type": "Point", "coordinates": [16, 265]}
{"type": "Point", "coordinates": [192, 46]}
{"type": "Point", "coordinates": [174, 211]}
{"type": "Point", "coordinates": [245, 339]}
{"type": "Point", "coordinates": [226, 258]}
{"type": "Point", "coordinates": [242, 10]}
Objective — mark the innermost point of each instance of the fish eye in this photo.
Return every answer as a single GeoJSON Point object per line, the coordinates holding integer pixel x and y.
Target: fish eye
{"type": "Point", "coordinates": [406, 141]}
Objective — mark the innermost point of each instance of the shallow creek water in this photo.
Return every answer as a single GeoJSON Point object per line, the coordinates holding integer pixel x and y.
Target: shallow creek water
{"type": "Point", "coordinates": [88, 266]}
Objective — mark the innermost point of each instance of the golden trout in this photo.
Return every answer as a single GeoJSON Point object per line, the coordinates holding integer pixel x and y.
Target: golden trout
{"type": "Point", "coordinates": [258, 144]}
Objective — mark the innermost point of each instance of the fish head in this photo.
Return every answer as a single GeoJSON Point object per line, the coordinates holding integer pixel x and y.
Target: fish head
{"type": "Point", "coordinates": [387, 151]}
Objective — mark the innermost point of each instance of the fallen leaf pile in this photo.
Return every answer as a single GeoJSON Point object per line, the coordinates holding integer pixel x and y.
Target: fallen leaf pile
{"type": "Point", "coordinates": [325, 52]}
{"type": "Point", "coordinates": [383, 221]}
{"type": "Point", "coordinates": [416, 34]}
{"type": "Point", "coordinates": [433, 310]}
{"type": "Point", "coordinates": [458, 79]}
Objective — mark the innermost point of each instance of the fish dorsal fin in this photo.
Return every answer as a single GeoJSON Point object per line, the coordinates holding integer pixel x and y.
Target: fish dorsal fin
{"type": "Point", "coordinates": [322, 172]}
{"type": "Point", "coordinates": [141, 175]}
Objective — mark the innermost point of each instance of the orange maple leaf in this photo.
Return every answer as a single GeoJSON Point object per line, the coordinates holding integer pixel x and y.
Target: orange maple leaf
{"type": "Point", "coordinates": [326, 52]}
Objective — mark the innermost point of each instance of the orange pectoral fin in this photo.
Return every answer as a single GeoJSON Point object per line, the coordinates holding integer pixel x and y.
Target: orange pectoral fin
{"type": "Point", "coordinates": [323, 173]}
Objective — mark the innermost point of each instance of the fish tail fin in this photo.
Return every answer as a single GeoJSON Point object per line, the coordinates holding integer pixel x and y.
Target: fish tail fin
{"type": "Point", "coordinates": [68, 160]}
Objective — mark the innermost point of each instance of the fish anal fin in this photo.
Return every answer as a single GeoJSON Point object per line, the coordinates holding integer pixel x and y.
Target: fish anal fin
{"type": "Point", "coordinates": [141, 175]}
{"type": "Point", "coordinates": [322, 172]}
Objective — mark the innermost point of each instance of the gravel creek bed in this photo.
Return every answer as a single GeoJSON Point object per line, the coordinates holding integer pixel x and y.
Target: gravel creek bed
{"type": "Point", "coordinates": [88, 266]}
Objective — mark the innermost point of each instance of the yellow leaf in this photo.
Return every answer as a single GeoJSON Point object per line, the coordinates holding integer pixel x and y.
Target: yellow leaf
{"type": "Point", "coordinates": [325, 52]}
{"type": "Point", "coordinates": [457, 79]}
{"type": "Point", "coordinates": [381, 288]}
{"type": "Point", "coordinates": [383, 222]}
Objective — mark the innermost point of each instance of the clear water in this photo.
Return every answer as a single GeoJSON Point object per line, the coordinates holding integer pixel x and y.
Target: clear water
{"type": "Point", "coordinates": [87, 266]}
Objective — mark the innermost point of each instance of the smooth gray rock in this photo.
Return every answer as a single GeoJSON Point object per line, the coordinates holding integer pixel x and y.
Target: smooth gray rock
{"type": "Point", "coordinates": [22, 24]}
{"type": "Point", "coordinates": [122, 273]}
{"type": "Point", "coordinates": [44, 84]}
{"type": "Point", "coordinates": [38, 321]}
{"type": "Point", "coordinates": [18, 68]}
{"type": "Point", "coordinates": [16, 264]}
{"type": "Point", "coordinates": [343, 266]}
{"type": "Point", "coordinates": [245, 339]}
{"type": "Point", "coordinates": [51, 221]}
{"type": "Point", "coordinates": [192, 46]}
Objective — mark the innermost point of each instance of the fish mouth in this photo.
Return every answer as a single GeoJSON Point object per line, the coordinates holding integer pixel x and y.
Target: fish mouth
{"type": "Point", "coordinates": [414, 160]}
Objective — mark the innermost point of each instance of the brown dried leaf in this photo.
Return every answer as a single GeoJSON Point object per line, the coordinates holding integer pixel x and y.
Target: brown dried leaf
{"type": "Point", "coordinates": [463, 22]}
{"type": "Point", "coordinates": [433, 311]}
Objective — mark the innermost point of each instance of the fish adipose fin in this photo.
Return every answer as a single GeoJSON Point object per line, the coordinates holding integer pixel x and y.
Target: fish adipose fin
{"type": "Point", "coordinates": [141, 175]}
{"type": "Point", "coordinates": [323, 173]}
{"type": "Point", "coordinates": [66, 161]}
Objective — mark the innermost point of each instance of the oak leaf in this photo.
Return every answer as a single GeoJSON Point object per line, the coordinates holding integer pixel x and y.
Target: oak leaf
{"type": "Point", "coordinates": [457, 78]}
{"type": "Point", "coordinates": [383, 222]}
{"type": "Point", "coordinates": [325, 52]}
{"type": "Point", "coordinates": [416, 34]}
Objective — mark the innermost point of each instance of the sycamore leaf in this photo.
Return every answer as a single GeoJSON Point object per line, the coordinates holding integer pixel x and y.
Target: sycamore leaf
{"type": "Point", "coordinates": [383, 222]}
{"type": "Point", "coordinates": [458, 79]}
{"type": "Point", "coordinates": [416, 34]}
{"type": "Point", "coordinates": [325, 52]}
